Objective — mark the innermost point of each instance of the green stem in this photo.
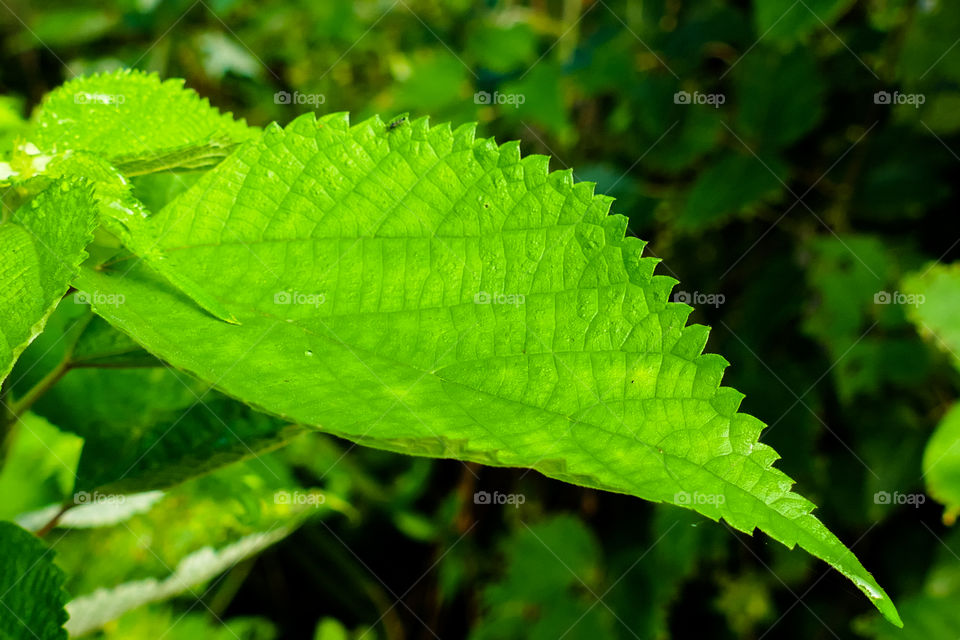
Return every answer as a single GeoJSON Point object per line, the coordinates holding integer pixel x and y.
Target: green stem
{"type": "Point", "coordinates": [22, 404]}
{"type": "Point", "coordinates": [12, 411]}
{"type": "Point", "coordinates": [47, 528]}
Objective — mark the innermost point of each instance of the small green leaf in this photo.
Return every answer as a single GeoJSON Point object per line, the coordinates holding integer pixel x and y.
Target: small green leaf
{"type": "Point", "coordinates": [134, 117]}
{"type": "Point", "coordinates": [31, 588]}
{"type": "Point", "coordinates": [790, 20]}
{"type": "Point", "coordinates": [551, 569]}
{"type": "Point", "coordinates": [934, 299]}
{"type": "Point", "coordinates": [932, 302]}
{"type": "Point", "coordinates": [780, 96]}
{"type": "Point", "coordinates": [733, 184]}
{"type": "Point", "coordinates": [41, 248]}
{"type": "Point", "coordinates": [941, 463]}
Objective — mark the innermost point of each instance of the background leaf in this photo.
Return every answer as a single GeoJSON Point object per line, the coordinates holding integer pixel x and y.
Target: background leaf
{"type": "Point", "coordinates": [31, 588]}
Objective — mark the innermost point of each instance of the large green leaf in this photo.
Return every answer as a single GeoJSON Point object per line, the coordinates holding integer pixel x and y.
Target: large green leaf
{"type": "Point", "coordinates": [418, 290]}
{"type": "Point", "coordinates": [41, 247]}
{"type": "Point", "coordinates": [31, 588]}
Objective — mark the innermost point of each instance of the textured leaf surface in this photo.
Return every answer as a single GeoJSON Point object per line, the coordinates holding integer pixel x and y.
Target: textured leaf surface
{"type": "Point", "coordinates": [31, 588]}
{"type": "Point", "coordinates": [40, 250]}
{"type": "Point", "coordinates": [422, 291]}
{"type": "Point", "coordinates": [134, 118]}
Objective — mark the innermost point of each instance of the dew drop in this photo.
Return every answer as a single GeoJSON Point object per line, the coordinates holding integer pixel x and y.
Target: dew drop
{"type": "Point", "coordinates": [308, 352]}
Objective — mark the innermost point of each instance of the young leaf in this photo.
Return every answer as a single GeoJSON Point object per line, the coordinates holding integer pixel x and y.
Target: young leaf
{"type": "Point", "coordinates": [31, 588]}
{"type": "Point", "coordinates": [422, 291]}
{"type": "Point", "coordinates": [136, 119]}
{"type": "Point", "coordinates": [41, 248]}
{"type": "Point", "coordinates": [121, 213]}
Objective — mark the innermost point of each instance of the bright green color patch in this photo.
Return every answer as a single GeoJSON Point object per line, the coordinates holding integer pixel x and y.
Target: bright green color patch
{"type": "Point", "coordinates": [935, 293]}
{"type": "Point", "coordinates": [41, 247]}
{"type": "Point", "coordinates": [941, 463]}
{"type": "Point", "coordinates": [133, 117]}
{"type": "Point", "coordinates": [418, 290]}
{"type": "Point", "coordinates": [31, 588]}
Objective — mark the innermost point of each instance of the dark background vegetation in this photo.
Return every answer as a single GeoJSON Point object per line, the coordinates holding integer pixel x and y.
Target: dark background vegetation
{"type": "Point", "coordinates": [784, 211]}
